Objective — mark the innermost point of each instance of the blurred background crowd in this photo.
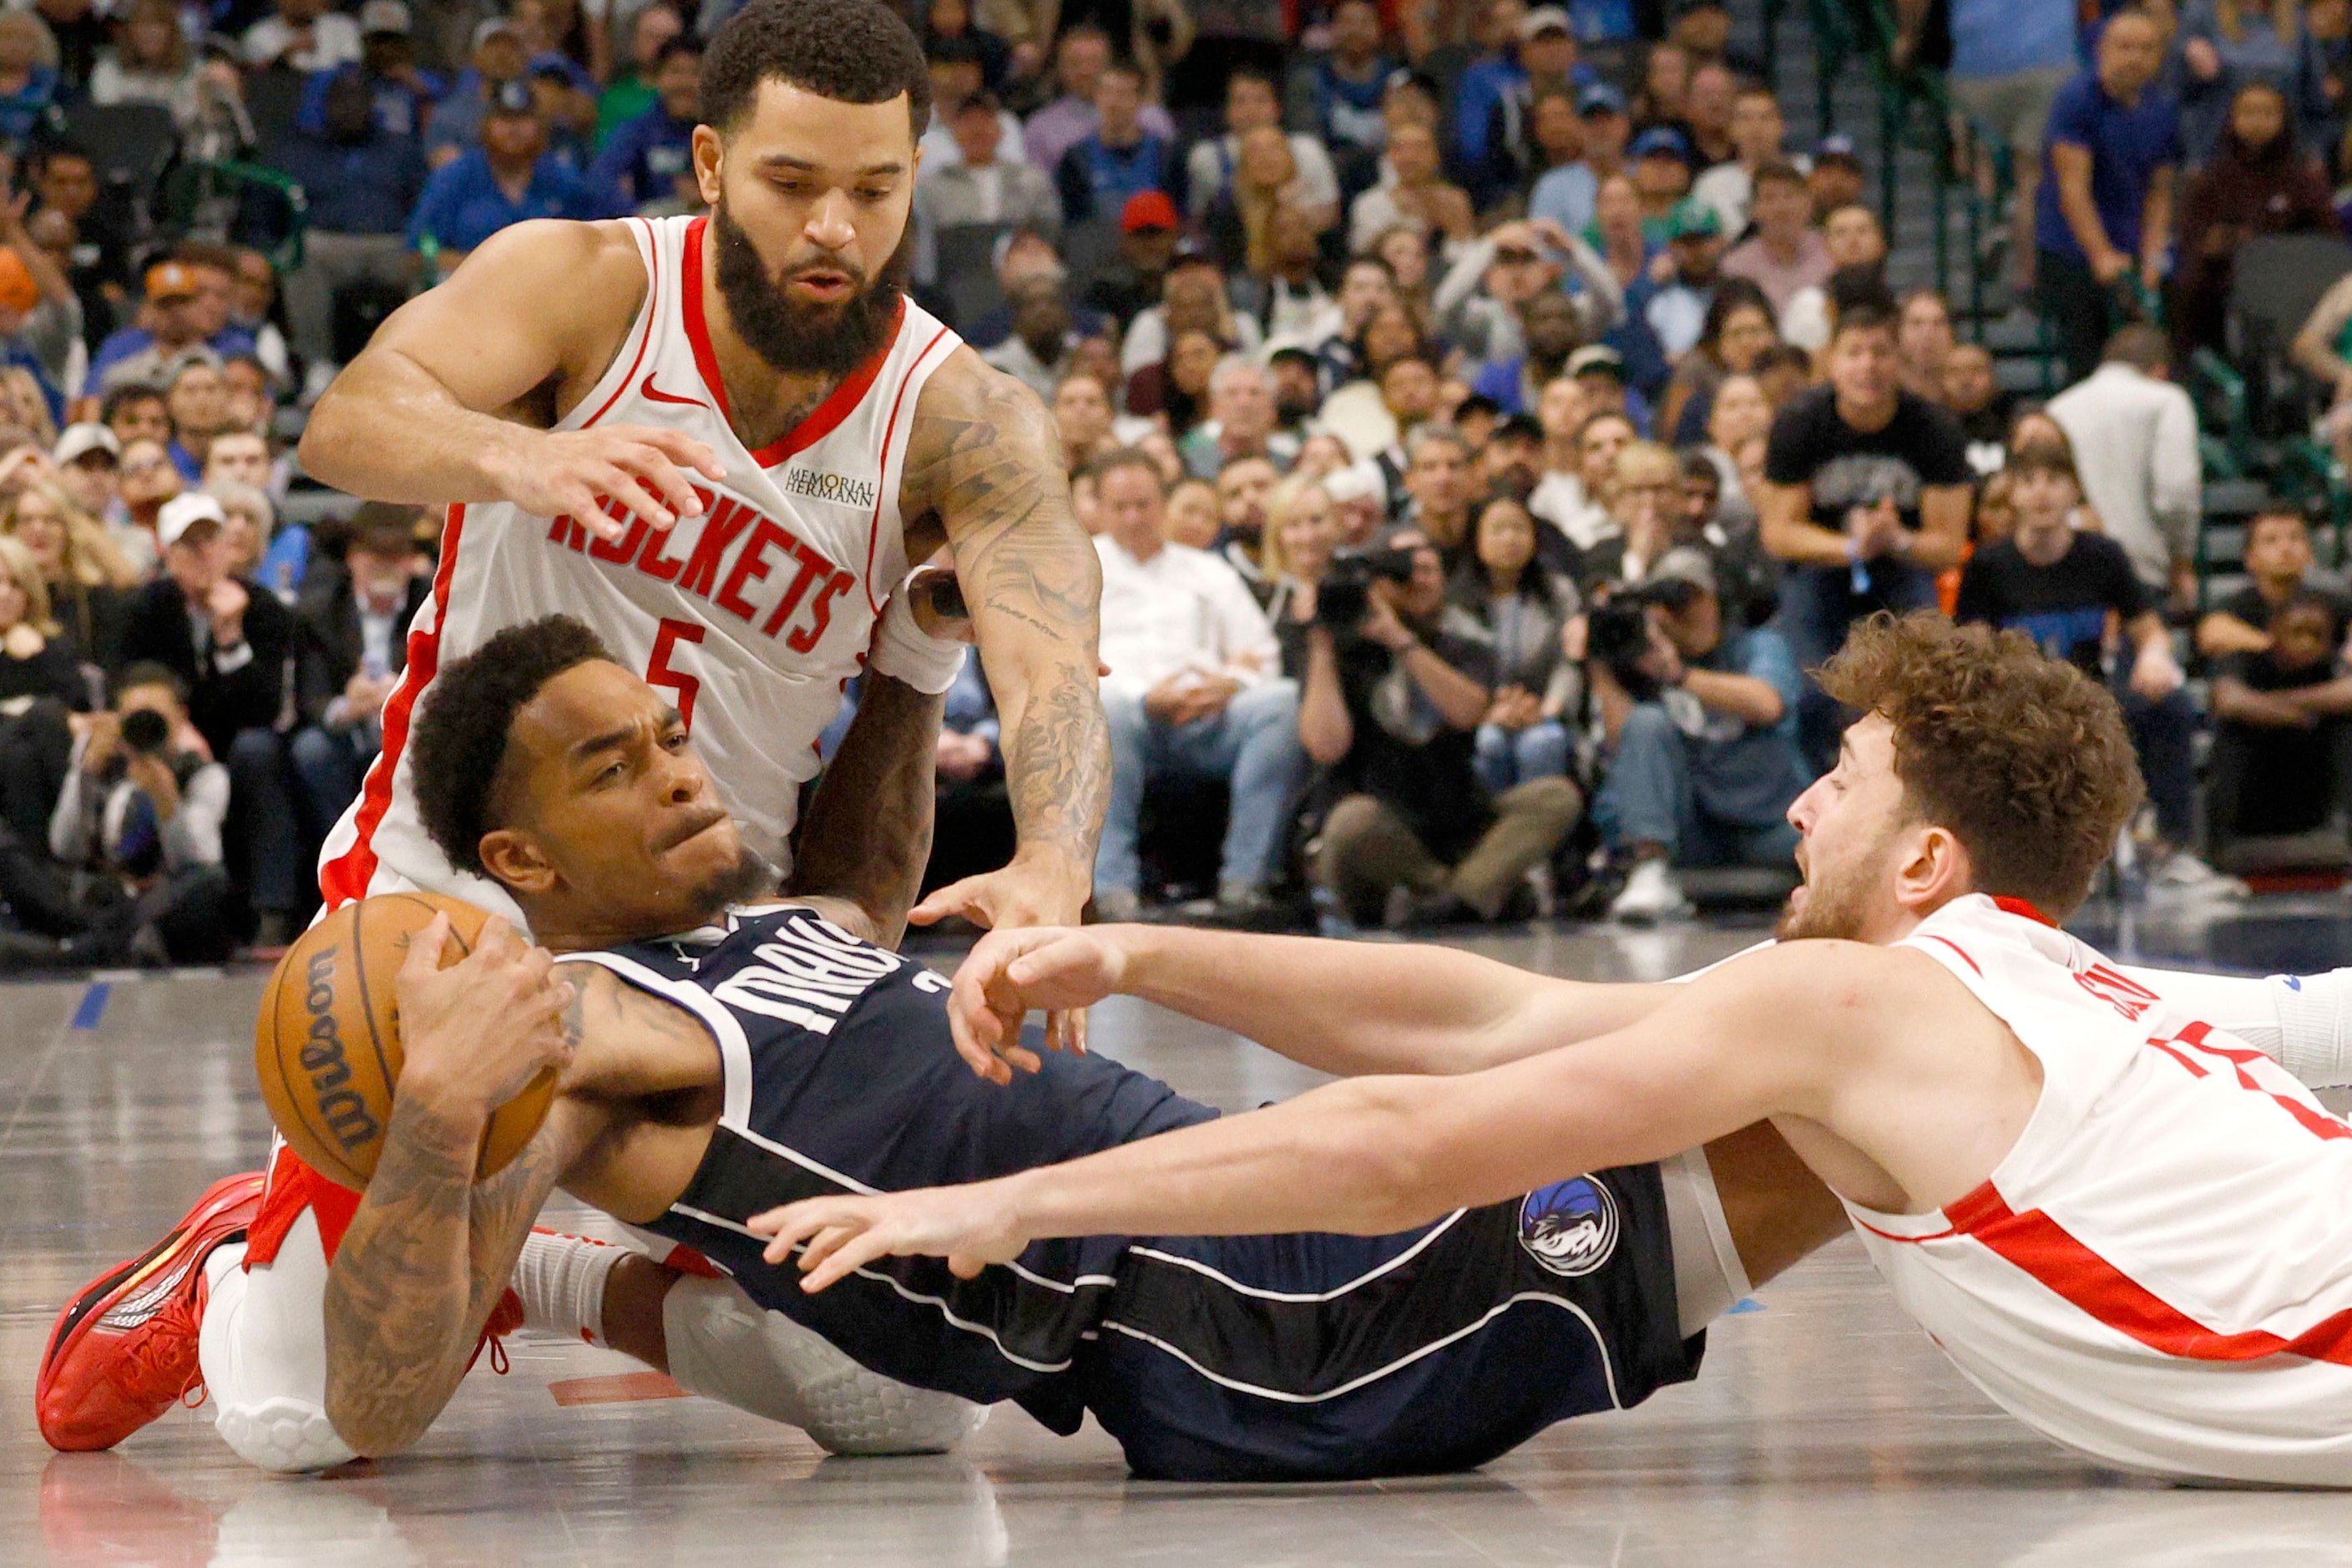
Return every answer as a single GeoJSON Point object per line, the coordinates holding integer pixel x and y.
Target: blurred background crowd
{"type": "Point", "coordinates": [1487, 415]}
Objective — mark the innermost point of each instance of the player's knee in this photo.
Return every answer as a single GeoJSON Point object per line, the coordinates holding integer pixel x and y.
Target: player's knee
{"type": "Point", "coordinates": [725, 1347]}
{"type": "Point", "coordinates": [287, 1437]}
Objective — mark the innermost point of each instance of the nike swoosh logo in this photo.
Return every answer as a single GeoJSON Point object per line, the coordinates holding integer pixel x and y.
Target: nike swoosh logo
{"type": "Point", "coordinates": [658, 395]}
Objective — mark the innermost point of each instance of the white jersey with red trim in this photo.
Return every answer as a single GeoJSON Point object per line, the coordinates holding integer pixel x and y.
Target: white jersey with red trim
{"type": "Point", "coordinates": [755, 615]}
{"type": "Point", "coordinates": [2159, 1273]}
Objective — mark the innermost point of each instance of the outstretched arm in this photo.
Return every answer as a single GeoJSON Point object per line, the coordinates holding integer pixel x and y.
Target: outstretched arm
{"type": "Point", "coordinates": [986, 457]}
{"type": "Point", "coordinates": [1377, 1154]}
{"type": "Point", "coordinates": [430, 1248]}
{"type": "Point", "coordinates": [1345, 1007]}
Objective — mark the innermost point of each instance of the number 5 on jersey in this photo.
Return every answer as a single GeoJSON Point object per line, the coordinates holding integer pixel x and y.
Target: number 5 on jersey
{"type": "Point", "coordinates": [658, 672]}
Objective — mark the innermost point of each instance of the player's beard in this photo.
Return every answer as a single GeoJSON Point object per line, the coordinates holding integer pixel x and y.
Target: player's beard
{"type": "Point", "coordinates": [748, 880]}
{"type": "Point", "coordinates": [793, 338]}
{"type": "Point", "coordinates": [1836, 905]}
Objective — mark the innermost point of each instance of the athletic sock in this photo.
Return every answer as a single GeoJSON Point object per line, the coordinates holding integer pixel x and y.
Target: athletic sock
{"type": "Point", "coordinates": [561, 1280]}
{"type": "Point", "coordinates": [2297, 1020]}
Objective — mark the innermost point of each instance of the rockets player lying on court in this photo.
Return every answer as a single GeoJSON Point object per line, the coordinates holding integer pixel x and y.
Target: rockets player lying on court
{"type": "Point", "coordinates": [721, 441]}
{"type": "Point", "coordinates": [721, 1061]}
{"type": "Point", "coordinates": [2124, 1224]}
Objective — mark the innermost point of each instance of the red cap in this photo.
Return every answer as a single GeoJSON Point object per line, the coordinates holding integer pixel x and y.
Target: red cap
{"type": "Point", "coordinates": [1147, 209]}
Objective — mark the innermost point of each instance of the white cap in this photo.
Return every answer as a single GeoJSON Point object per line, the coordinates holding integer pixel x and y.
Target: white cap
{"type": "Point", "coordinates": [1357, 481]}
{"type": "Point", "coordinates": [79, 441]}
{"type": "Point", "coordinates": [383, 17]}
{"type": "Point", "coordinates": [182, 512]}
{"type": "Point", "coordinates": [1546, 18]}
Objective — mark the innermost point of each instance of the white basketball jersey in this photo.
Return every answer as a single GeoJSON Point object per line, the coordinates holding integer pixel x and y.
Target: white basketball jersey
{"type": "Point", "coordinates": [752, 615]}
{"type": "Point", "coordinates": [2159, 1274]}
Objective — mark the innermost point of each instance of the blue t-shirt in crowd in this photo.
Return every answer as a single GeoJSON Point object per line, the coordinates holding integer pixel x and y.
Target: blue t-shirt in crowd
{"type": "Point", "coordinates": [368, 189]}
{"type": "Point", "coordinates": [1482, 86]}
{"type": "Point", "coordinates": [2002, 37]}
{"type": "Point", "coordinates": [1566, 196]}
{"type": "Point", "coordinates": [286, 563]}
{"type": "Point", "coordinates": [1601, 21]}
{"type": "Point", "coordinates": [1346, 112]}
{"type": "Point", "coordinates": [463, 204]}
{"type": "Point", "coordinates": [30, 106]}
{"type": "Point", "coordinates": [644, 158]}
{"type": "Point", "coordinates": [1095, 181]}
{"type": "Point", "coordinates": [124, 342]}
{"type": "Point", "coordinates": [1749, 772]}
{"type": "Point", "coordinates": [2128, 143]}
{"type": "Point", "coordinates": [399, 110]}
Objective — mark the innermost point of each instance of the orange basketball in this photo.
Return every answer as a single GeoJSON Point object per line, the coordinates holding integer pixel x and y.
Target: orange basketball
{"type": "Point", "coordinates": [327, 1043]}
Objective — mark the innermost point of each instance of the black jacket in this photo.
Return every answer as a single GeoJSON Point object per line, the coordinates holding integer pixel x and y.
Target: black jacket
{"type": "Point", "coordinates": [220, 703]}
{"type": "Point", "coordinates": [332, 643]}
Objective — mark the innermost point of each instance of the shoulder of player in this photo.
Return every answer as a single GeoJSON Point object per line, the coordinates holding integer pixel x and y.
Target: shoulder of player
{"type": "Point", "coordinates": [1818, 998]}
{"type": "Point", "coordinates": [579, 272]}
{"type": "Point", "coordinates": [971, 413]}
{"type": "Point", "coordinates": [967, 389]}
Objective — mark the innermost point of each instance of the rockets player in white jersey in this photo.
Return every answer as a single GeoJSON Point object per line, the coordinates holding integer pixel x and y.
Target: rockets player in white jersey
{"type": "Point", "coordinates": [721, 441]}
{"type": "Point", "coordinates": [2122, 1223]}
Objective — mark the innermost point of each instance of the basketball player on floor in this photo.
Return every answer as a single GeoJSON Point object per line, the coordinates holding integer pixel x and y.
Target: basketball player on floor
{"type": "Point", "coordinates": [757, 1055]}
{"type": "Point", "coordinates": [2124, 1224]}
{"type": "Point", "coordinates": [721, 441]}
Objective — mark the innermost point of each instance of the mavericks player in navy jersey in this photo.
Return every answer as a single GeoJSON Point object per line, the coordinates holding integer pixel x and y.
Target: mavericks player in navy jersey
{"type": "Point", "coordinates": [722, 1057]}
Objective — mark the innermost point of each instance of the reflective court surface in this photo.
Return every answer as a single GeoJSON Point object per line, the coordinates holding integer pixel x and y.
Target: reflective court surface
{"type": "Point", "coordinates": [1825, 1428]}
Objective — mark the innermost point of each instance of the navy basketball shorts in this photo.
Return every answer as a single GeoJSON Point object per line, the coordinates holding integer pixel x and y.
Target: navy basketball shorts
{"type": "Point", "coordinates": [1323, 1357]}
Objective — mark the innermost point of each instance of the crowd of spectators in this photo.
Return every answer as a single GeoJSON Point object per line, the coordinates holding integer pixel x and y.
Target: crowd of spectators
{"type": "Point", "coordinates": [1485, 417]}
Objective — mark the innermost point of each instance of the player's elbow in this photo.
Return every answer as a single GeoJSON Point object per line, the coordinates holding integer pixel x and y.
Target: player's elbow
{"type": "Point", "coordinates": [362, 1421]}
{"type": "Point", "coordinates": [333, 426]}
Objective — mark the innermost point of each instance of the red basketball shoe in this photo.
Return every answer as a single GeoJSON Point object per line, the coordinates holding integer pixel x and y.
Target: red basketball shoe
{"type": "Point", "coordinates": [124, 1349]}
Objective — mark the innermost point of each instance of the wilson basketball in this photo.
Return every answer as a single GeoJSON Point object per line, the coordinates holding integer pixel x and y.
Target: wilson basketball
{"type": "Point", "coordinates": [327, 1043]}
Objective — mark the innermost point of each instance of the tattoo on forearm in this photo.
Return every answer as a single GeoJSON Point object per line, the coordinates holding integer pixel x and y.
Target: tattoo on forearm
{"type": "Point", "coordinates": [994, 475]}
{"type": "Point", "coordinates": [1057, 764]}
{"type": "Point", "coordinates": [416, 1275]}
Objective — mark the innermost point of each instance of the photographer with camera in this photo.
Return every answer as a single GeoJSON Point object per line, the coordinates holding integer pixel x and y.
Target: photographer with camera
{"type": "Point", "coordinates": [1398, 681]}
{"type": "Point", "coordinates": [1866, 499]}
{"type": "Point", "coordinates": [231, 645]}
{"type": "Point", "coordinates": [1194, 691]}
{"type": "Point", "coordinates": [1700, 725]}
{"type": "Point", "coordinates": [136, 835]}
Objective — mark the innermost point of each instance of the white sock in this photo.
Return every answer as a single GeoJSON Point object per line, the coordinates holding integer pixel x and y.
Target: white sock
{"type": "Point", "coordinates": [2297, 1020]}
{"type": "Point", "coordinates": [561, 1280]}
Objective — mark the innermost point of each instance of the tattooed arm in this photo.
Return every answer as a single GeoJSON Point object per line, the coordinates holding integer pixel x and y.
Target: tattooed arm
{"type": "Point", "coordinates": [985, 458]}
{"type": "Point", "coordinates": [867, 833]}
{"type": "Point", "coordinates": [430, 1249]}
{"type": "Point", "coordinates": [421, 1266]}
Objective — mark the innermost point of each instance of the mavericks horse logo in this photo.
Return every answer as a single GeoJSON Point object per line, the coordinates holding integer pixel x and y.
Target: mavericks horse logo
{"type": "Point", "coordinates": [1571, 1226]}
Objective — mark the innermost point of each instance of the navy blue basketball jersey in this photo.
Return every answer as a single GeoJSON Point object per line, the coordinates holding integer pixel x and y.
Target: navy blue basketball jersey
{"type": "Point", "coordinates": [840, 1075]}
{"type": "Point", "coordinates": [1268, 1357]}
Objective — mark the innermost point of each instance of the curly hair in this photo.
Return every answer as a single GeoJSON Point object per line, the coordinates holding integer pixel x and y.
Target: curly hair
{"type": "Point", "coordinates": [459, 743]}
{"type": "Point", "coordinates": [2024, 758]}
{"type": "Point", "coordinates": [852, 51]}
